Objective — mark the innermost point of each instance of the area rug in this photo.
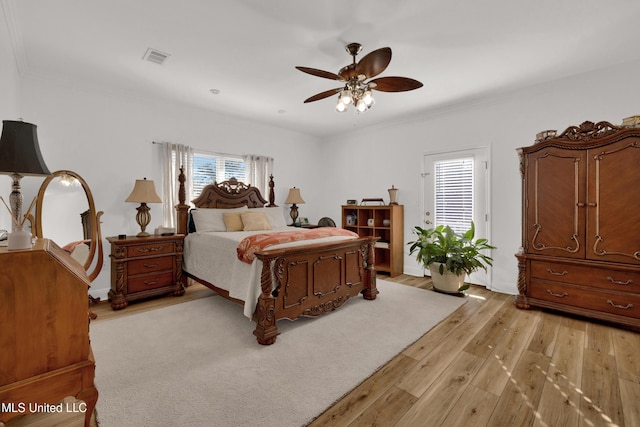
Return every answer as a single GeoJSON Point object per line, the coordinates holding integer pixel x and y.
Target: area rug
{"type": "Point", "coordinates": [198, 363]}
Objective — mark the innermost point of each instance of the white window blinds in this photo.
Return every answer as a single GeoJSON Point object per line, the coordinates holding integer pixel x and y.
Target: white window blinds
{"type": "Point", "coordinates": [210, 168]}
{"type": "Point", "coordinates": [454, 193]}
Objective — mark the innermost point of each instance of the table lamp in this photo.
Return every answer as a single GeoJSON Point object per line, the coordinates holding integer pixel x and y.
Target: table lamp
{"type": "Point", "coordinates": [20, 156]}
{"type": "Point", "coordinates": [143, 192]}
{"type": "Point", "coordinates": [294, 198]}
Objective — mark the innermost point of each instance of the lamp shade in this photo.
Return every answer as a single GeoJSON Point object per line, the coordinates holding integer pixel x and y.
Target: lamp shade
{"type": "Point", "coordinates": [294, 196]}
{"type": "Point", "coordinates": [144, 192]}
{"type": "Point", "coordinates": [20, 151]}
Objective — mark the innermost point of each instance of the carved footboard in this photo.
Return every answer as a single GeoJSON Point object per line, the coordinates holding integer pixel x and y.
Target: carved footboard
{"type": "Point", "coordinates": [312, 280]}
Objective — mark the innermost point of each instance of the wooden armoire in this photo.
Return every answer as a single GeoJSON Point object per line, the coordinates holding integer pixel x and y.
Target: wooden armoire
{"type": "Point", "coordinates": [581, 223]}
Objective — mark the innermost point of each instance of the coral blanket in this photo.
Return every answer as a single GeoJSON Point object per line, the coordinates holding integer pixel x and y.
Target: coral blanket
{"type": "Point", "coordinates": [248, 247]}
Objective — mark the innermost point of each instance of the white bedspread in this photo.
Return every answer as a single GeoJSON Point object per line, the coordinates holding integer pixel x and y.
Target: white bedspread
{"type": "Point", "coordinates": [212, 256]}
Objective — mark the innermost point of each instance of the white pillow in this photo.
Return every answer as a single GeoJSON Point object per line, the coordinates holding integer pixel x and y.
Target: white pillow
{"type": "Point", "coordinates": [209, 219]}
{"type": "Point", "coordinates": [275, 216]}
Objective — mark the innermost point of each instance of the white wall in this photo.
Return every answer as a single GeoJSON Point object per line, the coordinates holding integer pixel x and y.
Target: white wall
{"type": "Point", "coordinates": [369, 162]}
{"type": "Point", "coordinates": [9, 106]}
{"type": "Point", "coordinates": [107, 139]}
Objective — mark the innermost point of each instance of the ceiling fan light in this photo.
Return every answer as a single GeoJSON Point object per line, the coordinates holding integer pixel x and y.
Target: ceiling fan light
{"type": "Point", "coordinates": [345, 97]}
{"type": "Point", "coordinates": [341, 107]}
{"type": "Point", "coordinates": [361, 106]}
{"type": "Point", "coordinates": [368, 98]}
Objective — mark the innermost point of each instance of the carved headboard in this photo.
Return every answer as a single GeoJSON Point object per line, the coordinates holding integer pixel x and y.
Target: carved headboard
{"type": "Point", "coordinates": [223, 195]}
{"type": "Point", "coordinates": [229, 194]}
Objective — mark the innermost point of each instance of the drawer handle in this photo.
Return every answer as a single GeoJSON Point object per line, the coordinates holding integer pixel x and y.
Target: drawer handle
{"type": "Point", "coordinates": [620, 282]}
{"type": "Point", "coordinates": [550, 271]}
{"type": "Point", "coordinates": [151, 265]}
{"type": "Point", "coordinates": [153, 249]}
{"type": "Point", "coordinates": [562, 295]}
{"type": "Point", "coordinates": [151, 282]}
{"type": "Point", "coordinates": [628, 306]}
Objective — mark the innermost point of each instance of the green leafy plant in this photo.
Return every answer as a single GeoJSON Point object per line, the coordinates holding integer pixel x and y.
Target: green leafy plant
{"type": "Point", "coordinates": [456, 252]}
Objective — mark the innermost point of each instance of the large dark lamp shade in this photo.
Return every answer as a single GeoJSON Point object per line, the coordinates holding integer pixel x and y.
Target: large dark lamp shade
{"type": "Point", "coordinates": [20, 151]}
{"type": "Point", "coordinates": [19, 156]}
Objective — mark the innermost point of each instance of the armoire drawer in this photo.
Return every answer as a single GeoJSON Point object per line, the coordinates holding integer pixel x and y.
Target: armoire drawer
{"type": "Point", "coordinates": [600, 277]}
{"type": "Point", "coordinates": [592, 299]}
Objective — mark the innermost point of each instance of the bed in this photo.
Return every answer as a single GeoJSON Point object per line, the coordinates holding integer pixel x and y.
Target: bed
{"type": "Point", "coordinates": [288, 280]}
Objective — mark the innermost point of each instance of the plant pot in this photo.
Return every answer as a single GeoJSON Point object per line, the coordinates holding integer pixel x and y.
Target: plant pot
{"type": "Point", "coordinates": [448, 282]}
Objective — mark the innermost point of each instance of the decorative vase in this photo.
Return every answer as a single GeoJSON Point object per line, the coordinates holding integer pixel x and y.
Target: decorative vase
{"type": "Point", "coordinates": [448, 282]}
{"type": "Point", "coordinates": [393, 194]}
{"type": "Point", "coordinates": [19, 239]}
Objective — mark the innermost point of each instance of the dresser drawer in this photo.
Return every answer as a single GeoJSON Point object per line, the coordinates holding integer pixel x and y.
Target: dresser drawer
{"type": "Point", "coordinates": [150, 265]}
{"type": "Point", "coordinates": [592, 299]}
{"type": "Point", "coordinates": [600, 277]}
{"type": "Point", "coordinates": [150, 281]}
{"type": "Point", "coordinates": [149, 249]}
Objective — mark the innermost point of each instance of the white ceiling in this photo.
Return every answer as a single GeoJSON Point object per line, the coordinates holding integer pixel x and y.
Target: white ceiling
{"type": "Point", "coordinates": [462, 50]}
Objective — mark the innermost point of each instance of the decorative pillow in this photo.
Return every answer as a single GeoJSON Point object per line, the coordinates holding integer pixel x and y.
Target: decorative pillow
{"type": "Point", "coordinates": [209, 219]}
{"type": "Point", "coordinates": [255, 221]}
{"type": "Point", "coordinates": [233, 221]}
{"type": "Point", "coordinates": [275, 216]}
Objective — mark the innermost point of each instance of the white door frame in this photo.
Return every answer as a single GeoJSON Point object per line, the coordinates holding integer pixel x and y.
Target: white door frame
{"type": "Point", "coordinates": [483, 225]}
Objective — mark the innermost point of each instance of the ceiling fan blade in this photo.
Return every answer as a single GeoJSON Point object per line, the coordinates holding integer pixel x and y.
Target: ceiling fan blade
{"type": "Point", "coordinates": [374, 62]}
{"type": "Point", "coordinates": [323, 95]}
{"type": "Point", "coordinates": [320, 73]}
{"type": "Point", "coordinates": [394, 84]}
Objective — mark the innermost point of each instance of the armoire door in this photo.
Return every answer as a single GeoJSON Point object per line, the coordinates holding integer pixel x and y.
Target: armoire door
{"type": "Point", "coordinates": [556, 190]}
{"type": "Point", "coordinates": [613, 207]}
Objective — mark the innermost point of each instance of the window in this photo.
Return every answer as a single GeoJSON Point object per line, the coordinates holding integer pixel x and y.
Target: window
{"type": "Point", "coordinates": [454, 193]}
{"type": "Point", "coordinates": [210, 168]}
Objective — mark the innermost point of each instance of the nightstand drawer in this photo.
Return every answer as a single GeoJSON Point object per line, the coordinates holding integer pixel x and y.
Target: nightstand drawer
{"type": "Point", "coordinates": [150, 249]}
{"type": "Point", "coordinates": [150, 265]}
{"type": "Point", "coordinates": [151, 281]}
{"type": "Point", "coordinates": [601, 277]}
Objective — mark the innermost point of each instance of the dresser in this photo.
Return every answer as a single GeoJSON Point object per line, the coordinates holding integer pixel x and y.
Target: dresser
{"type": "Point", "coordinates": [143, 267]}
{"type": "Point", "coordinates": [384, 222]}
{"type": "Point", "coordinates": [44, 332]}
{"type": "Point", "coordinates": [581, 223]}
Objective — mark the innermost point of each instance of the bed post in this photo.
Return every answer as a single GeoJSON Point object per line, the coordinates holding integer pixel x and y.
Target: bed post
{"type": "Point", "coordinates": [266, 330]}
{"type": "Point", "coordinates": [272, 194]}
{"type": "Point", "coordinates": [182, 209]}
{"type": "Point", "coordinates": [370, 290]}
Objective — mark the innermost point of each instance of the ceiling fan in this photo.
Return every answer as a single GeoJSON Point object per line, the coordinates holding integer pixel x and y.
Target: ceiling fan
{"type": "Point", "coordinates": [356, 89]}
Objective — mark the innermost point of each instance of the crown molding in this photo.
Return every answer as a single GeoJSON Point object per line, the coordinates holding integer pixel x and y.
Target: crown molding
{"type": "Point", "coordinates": [13, 27]}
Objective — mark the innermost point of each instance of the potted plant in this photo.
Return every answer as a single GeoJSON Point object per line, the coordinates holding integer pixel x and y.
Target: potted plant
{"type": "Point", "coordinates": [450, 256]}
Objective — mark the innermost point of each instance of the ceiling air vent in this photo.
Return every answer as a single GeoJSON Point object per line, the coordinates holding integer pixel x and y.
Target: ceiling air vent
{"type": "Point", "coordinates": [155, 56]}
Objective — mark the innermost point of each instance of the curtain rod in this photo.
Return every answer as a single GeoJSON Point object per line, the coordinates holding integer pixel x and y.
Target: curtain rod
{"type": "Point", "coordinates": [207, 151]}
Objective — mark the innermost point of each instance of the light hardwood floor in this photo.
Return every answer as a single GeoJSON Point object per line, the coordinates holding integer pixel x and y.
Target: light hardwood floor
{"type": "Point", "coordinates": [487, 364]}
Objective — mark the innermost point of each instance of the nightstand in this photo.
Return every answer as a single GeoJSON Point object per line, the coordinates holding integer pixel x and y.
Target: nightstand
{"type": "Point", "coordinates": [142, 267]}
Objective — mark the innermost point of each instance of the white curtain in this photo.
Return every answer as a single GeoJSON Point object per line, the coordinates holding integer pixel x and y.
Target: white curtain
{"type": "Point", "coordinates": [175, 156]}
{"type": "Point", "coordinates": [259, 168]}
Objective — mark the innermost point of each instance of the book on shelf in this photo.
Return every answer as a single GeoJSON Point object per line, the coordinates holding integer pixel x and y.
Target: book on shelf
{"type": "Point", "coordinates": [380, 244]}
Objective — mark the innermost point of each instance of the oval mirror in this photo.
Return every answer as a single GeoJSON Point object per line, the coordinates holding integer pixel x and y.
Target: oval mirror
{"type": "Point", "coordinates": [66, 214]}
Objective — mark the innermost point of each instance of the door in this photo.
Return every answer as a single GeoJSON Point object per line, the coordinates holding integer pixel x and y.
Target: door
{"type": "Point", "coordinates": [613, 205]}
{"type": "Point", "coordinates": [555, 205]}
{"type": "Point", "coordinates": [456, 190]}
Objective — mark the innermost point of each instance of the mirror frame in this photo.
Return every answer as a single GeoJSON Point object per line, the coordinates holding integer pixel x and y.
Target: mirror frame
{"type": "Point", "coordinates": [95, 233]}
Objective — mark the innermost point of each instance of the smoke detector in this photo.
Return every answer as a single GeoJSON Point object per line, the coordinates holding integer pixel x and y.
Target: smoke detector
{"type": "Point", "coordinates": [155, 56]}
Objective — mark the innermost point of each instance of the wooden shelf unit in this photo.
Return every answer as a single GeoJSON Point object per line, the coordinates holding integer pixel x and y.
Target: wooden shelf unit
{"type": "Point", "coordinates": [389, 250]}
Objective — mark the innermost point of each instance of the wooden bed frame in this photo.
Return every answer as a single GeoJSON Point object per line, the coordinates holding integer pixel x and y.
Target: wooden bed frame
{"type": "Point", "coordinates": [306, 280]}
